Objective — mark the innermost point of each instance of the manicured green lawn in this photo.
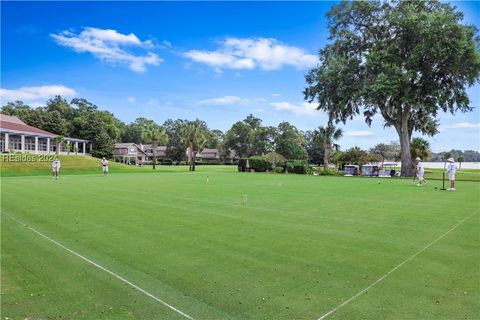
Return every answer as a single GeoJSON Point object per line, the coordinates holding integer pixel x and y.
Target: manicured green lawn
{"type": "Point", "coordinates": [298, 247]}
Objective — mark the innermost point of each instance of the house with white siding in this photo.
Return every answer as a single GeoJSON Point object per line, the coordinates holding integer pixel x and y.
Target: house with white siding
{"type": "Point", "coordinates": [17, 136]}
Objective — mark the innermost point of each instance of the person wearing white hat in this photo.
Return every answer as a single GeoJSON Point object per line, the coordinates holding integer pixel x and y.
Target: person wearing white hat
{"type": "Point", "coordinates": [420, 172]}
{"type": "Point", "coordinates": [451, 170]}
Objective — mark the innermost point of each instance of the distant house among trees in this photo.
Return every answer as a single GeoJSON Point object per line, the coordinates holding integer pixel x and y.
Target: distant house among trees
{"type": "Point", "coordinates": [160, 152]}
{"type": "Point", "coordinates": [130, 153]}
{"type": "Point", "coordinates": [215, 156]}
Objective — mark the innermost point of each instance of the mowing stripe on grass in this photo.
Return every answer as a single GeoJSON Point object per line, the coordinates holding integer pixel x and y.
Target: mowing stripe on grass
{"type": "Point", "coordinates": [102, 268]}
{"type": "Point", "coordinates": [393, 270]}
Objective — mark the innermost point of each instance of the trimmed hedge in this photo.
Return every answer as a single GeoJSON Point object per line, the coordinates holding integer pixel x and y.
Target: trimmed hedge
{"type": "Point", "coordinates": [296, 166]}
{"type": "Point", "coordinates": [259, 164]}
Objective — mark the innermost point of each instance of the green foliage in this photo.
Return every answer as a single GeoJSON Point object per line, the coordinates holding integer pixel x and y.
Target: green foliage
{"type": "Point", "coordinates": [279, 169]}
{"type": "Point", "coordinates": [327, 135]}
{"type": "Point", "coordinates": [289, 142]}
{"type": "Point", "coordinates": [386, 151]}
{"type": "Point", "coordinates": [134, 132]}
{"type": "Point", "coordinates": [194, 134]}
{"type": "Point", "coordinates": [259, 164]}
{"type": "Point", "coordinates": [296, 166]}
{"type": "Point", "coordinates": [407, 60]}
{"type": "Point", "coordinates": [156, 135]}
{"type": "Point", "coordinates": [330, 172]}
{"type": "Point", "coordinates": [467, 155]}
{"type": "Point", "coordinates": [249, 138]}
{"type": "Point", "coordinates": [314, 147]}
{"type": "Point", "coordinates": [420, 147]}
{"type": "Point", "coordinates": [176, 145]}
{"type": "Point", "coordinates": [356, 156]}
{"type": "Point", "coordinates": [274, 157]}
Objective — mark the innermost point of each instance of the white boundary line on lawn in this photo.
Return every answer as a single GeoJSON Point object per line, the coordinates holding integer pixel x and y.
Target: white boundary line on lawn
{"type": "Point", "coordinates": [393, 270]}
{"type": "Point", "coordinates": [103, 268]}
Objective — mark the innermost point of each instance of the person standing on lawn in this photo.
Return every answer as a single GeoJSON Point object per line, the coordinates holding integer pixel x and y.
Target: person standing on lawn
{"type": "Point", "coordinates": [451, 170]}
{"type": "Point", "coordinates": [420, 171]}
{"type": "Point", "coordinates": [55, 168]}
{"type": "Point", "coordinates": [105, 166]}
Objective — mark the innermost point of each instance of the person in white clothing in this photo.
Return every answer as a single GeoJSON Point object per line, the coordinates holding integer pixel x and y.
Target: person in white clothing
{"type": "Point", "coordinates": [105, 166]}
{"type": "Point", "coordinates": [451, 170]}
{"type": "Point", "coordinates": [55, 168]}
{"type": "Point", "coordinates": [420, 171]}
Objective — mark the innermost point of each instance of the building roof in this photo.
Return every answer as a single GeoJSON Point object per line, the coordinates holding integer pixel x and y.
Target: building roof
{"type": "Point", "coordinates": [9, 124]}
{"type": "Point", "coordinates": [124, 145]}
{"type": "Point", "coordinates": [149, 146]}
{"type": "Point", "coordinates": [127, 145]}
{"type": "Point", "coordinates": [4, 117]}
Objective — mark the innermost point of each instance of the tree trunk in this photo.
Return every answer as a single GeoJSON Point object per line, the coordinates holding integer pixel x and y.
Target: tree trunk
{"type": "Point", "coordinates": [406, 158]}
{"type": "Point", "coordinates": [326, 155]}
{"type": "Point", "coordinates": [190, 152]}
{"type": "Point", "coordinates": [154, 156]}
{"type": "Point", "coordinates": [193, 160]}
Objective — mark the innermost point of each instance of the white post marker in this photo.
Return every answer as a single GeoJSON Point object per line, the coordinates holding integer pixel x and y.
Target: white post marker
{"type": "Point", "coordinates": [245, 199]}
{"type": "Point", "coordinates": [207, 179]}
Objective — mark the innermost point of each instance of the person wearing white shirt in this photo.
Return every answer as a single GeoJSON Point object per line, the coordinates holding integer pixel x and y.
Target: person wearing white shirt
{"type": "Point", "coordinates": [451, 170]}
{"type": "Point", "coordinates": [420, 171]}
{"type": "Point", "coordinates": [104, 166]}
{"type": "Point", "coordinates": [55, 168]}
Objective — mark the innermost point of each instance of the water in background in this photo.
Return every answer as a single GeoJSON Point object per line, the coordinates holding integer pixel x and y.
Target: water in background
{"type": "Point", "coordinates": [465, 165]}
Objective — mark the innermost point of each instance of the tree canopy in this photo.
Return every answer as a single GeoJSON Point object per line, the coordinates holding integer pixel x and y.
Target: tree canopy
{"type": "Point", "coordinates": [407, 60]}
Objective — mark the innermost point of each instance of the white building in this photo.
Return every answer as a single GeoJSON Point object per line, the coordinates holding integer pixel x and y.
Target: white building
{"type": "Point", "coordinates": [17, 136]}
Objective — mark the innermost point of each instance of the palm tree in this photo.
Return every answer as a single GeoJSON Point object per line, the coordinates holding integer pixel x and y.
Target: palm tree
{"type": "Point", "coordinates": [327, 135]}
{"type": "Point", "coordinates": [58, 141]}
{"type": "Point", "coordinates": [195, 135]}
{"type": "Point", "coordinates": [154, 134]}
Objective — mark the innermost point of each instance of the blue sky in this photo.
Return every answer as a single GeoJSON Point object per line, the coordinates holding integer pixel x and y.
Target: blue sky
{"type": "Point", "coordinates": [215, 61]}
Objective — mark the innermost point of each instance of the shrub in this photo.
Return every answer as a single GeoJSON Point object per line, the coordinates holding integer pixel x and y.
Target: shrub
{"type": "Point", "coordinates": [259, 164]}
{"type": "Point", "coordinates": [297, 166]}
{"type": "Point", "coordinates": [330, 172]}
{"type": "Point", "coordinates": [165, 162]}
{"type": "Point", "coordinates": [274, 157]}
{"type": "Point", "coordinates": [279, 169]}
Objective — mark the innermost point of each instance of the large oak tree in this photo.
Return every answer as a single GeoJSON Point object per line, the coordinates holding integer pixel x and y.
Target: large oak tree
{"type": "Point", "coordinates": [407, 60]}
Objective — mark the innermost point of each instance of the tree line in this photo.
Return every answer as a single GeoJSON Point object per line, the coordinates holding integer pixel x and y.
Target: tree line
{"type": "Point", "coordinates": [82, 119]}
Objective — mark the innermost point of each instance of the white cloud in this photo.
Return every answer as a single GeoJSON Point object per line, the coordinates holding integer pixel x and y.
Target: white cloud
{"type": "Point", "coordinates": [131, 99]}
{"type": "Point", "coordinates": [358, 133]}
{"type": "Point", "coordinates": [106, 44]}
{"type": "Point", "coordinates": [304, 109]}
{"type": "Point", "coordinates": [258, 110]}
{"type": "Point", "coordinates": [250, 53]}
{"type": "Point", "coordinates": [460, 125]}
{"type": "Point", "coordinates": [27, 94]}
{"type": "Point", "coordinates": [225, 100]}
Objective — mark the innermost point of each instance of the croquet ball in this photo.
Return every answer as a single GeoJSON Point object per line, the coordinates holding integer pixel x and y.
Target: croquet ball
{"type": "Point", "coordinates": [379, 183]}
{"type": "Point", "coordinates": [435, 188]}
